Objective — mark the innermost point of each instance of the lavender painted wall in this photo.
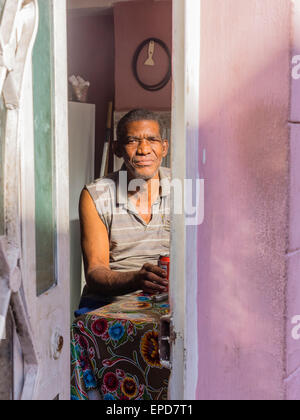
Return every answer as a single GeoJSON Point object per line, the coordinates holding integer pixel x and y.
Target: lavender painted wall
{"type": "Point", "coordinates": [134, 22]}
{"type": "Point", "coordinates": [243, 243]}
{"type": "Point", "coordinates": [91, 55]}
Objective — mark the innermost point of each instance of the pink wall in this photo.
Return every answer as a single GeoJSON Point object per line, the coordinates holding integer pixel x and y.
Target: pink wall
{"type": "Point", "coordinates": [135, 22]}
{"type": "Point", "coordinates": [243, 256]}
{"type": "Point", "coordinates": [91, 55]}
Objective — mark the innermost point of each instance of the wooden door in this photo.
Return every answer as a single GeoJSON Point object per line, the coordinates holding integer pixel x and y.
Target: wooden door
{"type": "Point", "coordinates": [34, 246]}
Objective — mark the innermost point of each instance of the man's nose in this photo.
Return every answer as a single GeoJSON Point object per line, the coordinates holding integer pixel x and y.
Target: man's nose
{"type": "Point", "coordinates": [144, 147]}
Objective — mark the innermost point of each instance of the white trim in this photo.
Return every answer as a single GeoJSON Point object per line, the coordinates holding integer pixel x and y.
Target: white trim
{"type": "Point", "coordinates": [192, 105]}
{"type": "Point", "coordinates": [185, 143]}
{"type": "Point", "coordinates": [177, 250]}
{"type": "Point", "coordinates": [58, 298]}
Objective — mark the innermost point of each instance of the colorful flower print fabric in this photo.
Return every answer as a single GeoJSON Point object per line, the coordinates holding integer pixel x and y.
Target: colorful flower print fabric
{"type": "Point", "coordinates": [115, 354]}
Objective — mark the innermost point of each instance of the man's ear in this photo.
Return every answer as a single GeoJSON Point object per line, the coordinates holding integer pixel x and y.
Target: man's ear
{"type": "Point", "coordinates": [165, 147]}
{"type": "Point", "coordinates": [117, 149]}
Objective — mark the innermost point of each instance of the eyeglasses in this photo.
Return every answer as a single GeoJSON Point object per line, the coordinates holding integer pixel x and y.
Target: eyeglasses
{"type": "Point", "coordinates": [134, 141]}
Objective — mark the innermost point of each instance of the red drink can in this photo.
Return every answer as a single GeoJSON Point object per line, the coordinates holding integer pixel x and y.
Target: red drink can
{"type": "Point", "coordinates": [164, 264]}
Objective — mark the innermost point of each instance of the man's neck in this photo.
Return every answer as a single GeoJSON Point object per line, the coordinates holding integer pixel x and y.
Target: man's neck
{"type": "Point", "coordinates": [146, 196]}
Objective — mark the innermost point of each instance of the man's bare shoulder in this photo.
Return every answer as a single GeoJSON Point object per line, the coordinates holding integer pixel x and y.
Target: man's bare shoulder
{"type": "Point", "coordinates": [103, 187]}
{"type": "Point", "coordinates": [105, 180]}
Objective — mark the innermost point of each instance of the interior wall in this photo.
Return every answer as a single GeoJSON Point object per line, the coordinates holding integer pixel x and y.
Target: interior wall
{"type": "Point", "coordinates": [101, 48]}
{"type": "Point", "coordinates": [91, 55]}
{"type": "Point", "coordinates": [134, 22]}
{"type": "Point", "coordinates": [242, 255]}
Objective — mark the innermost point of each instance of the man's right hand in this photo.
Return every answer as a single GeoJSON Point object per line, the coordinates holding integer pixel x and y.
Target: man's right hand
{"type": "Point", "coordinates": [152, 279]}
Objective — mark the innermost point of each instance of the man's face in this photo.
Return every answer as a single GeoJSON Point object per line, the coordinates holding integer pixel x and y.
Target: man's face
{"type": "Point", "coordinates": [143, 149]}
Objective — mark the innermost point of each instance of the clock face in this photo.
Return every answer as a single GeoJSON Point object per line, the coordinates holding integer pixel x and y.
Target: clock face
{"type": "Point", "coordinates": [152, 64]}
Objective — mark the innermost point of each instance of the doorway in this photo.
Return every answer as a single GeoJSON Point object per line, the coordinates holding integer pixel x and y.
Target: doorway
{"type": "Point", "coordinates": [181, 112]}
{"type": "Point", "coordinates": [102, 41]}
{"type": "Point", "coordinates": [184, 142]}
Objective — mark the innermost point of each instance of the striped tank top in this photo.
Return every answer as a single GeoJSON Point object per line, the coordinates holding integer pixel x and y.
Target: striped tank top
{"type": "Point", "coordinates": [132, 242]}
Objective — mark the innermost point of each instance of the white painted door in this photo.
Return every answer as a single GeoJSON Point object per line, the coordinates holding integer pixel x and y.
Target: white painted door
{"type": "Point", "coordinates": [34, 257]}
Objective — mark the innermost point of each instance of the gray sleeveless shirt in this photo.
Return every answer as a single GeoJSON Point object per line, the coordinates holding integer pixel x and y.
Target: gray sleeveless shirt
{"type": "Point", "coordinates": [132, 242]}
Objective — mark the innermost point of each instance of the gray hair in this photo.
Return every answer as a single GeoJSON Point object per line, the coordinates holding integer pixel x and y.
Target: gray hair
{"type": "Point", "coordinates": [136, 115]}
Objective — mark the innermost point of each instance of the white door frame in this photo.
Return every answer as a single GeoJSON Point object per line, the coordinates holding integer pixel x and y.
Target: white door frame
{"type": "Point", "coordinates": [185, 145]}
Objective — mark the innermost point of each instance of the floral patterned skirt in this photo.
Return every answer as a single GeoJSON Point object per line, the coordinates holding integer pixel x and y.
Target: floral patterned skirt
{"type": "Point", "coordinates": [114, 352]}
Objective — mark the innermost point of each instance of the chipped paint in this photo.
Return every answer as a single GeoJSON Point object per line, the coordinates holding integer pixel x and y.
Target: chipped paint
{"type": "Point", "coordinates": [12, 84]}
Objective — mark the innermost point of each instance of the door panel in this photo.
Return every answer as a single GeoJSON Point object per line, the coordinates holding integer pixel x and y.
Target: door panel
{"type": "Point", "coordinates": [41, 320]}
{"type": "Point", "coordinates": [48, 238]}
{"type": "Point", "coordinates": [44, 150]}
{"type": "Point", "coordinates": [16, 35]}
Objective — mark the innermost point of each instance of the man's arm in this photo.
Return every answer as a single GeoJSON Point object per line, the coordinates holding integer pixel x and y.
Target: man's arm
{"type": "Point", "coordinates": [95, 248]}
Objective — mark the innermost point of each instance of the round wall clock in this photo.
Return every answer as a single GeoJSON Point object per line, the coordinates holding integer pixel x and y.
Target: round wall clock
{"type": "Point", "coordinates": [150, 62]}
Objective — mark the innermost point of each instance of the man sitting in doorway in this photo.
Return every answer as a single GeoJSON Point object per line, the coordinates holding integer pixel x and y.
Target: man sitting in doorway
{"type": "Point", "coordinates": [124, 217]}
